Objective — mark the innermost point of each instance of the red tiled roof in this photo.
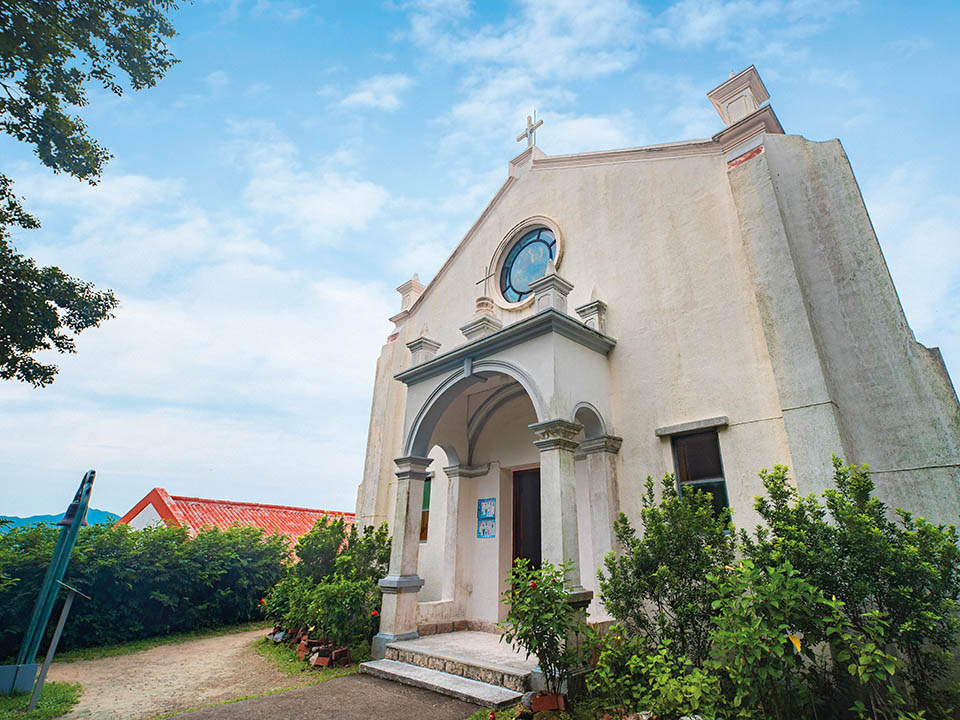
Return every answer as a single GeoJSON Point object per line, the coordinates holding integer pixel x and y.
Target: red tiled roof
{"type": "Point", "coordinates": [196, 513]}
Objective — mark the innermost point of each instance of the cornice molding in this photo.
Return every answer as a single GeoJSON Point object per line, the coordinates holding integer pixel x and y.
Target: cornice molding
{"type": "Point", "coordinates": [544, 322]}
{"type": "Point", "coordinates": [763, 120]}
{"type": "Point", "coordinates": [650, 152]}
{"type": "Point", "coordinates": [693, 426]}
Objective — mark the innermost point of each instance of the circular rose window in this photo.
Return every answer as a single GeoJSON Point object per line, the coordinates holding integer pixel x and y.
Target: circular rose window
{"type": "Point", "coordinates": [525, 262]}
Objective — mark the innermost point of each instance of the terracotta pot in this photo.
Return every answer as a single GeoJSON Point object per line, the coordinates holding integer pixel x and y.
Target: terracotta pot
{"type": "Point", "coordinates": [548, 701]}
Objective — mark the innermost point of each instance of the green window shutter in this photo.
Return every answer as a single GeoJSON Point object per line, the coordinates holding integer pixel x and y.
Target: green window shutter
{"type": "Point", "coordinates": [426, 494]}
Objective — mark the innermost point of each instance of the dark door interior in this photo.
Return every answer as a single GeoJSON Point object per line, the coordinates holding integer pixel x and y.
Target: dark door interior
{"type": "Point", "coordinates": [526, 516]}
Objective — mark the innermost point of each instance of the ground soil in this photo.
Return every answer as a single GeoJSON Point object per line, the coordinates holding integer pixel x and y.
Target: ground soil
{"type": "Point", "coordinates": [173, 677]}
{"type": "Point", "coordinates": [355, 697]}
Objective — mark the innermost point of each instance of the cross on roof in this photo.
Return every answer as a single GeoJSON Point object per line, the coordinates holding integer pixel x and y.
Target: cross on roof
{"type": "Point", "coordinates": [529, 132]}
{"type": "Point", "coordinates": [489, 274]}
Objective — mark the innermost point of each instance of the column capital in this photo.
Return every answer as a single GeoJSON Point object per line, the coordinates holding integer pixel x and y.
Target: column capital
{"type": "Point", "coordinates": [466, 471]}
{"type": "Point", "coordinates": [556, 434]}
{"type": "Point", "coordinates": [412, 466]}
{"type": "Point", "coordinates": [600, 444]}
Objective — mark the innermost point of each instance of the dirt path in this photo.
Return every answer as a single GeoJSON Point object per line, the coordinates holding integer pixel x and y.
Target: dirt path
{"type": "Point", "coordinates": [356, 697]}
{"type": "Point", "coordinates": [173, 677]}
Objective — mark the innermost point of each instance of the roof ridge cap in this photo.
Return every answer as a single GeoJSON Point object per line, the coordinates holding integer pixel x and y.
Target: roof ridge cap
{"type": "Point", "coordinates": [188, 498]}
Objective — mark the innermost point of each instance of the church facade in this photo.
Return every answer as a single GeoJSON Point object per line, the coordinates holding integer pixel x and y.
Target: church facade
{"type": "Point", "coordinates": [705, 308]}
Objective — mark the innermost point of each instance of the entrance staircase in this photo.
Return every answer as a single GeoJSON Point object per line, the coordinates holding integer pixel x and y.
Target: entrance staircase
{"type": "Point", "coordinates": [468, 665]}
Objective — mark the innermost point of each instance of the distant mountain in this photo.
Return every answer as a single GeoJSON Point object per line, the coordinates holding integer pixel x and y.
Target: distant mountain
{"type": "Point", "coordinates": [94, 517]}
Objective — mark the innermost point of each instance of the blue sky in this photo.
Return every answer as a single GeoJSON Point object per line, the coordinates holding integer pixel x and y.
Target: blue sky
{"type": "Point", "coordinates": [306, 158]}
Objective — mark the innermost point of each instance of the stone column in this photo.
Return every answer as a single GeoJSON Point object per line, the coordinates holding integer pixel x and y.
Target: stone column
{"type": "Point", "coordinates": [601, 456]}
{"type": "Point", "coordinates": [559, 539]}
{"type": "Point", "coordinates": [558, 500]}
{"type": "Point", "coordinates": [398, 615]}
{"type": "Point", "coordinates": [450, 529]}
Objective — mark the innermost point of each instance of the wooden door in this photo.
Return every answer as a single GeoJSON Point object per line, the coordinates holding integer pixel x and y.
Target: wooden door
{"type": "Point", "coordinates": [526, 516]}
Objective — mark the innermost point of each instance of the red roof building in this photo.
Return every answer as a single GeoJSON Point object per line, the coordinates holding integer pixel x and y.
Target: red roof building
{"type": "Point", "coordinates": [196, 513]}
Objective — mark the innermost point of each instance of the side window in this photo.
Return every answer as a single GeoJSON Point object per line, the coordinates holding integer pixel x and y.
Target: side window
{"type": "Point", "coordinates": [425, 511]}
{"type": "Point", "coordinates": [697, 458]}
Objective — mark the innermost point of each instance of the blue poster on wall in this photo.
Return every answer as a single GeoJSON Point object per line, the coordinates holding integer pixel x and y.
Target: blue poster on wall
{"type": "Point", "coordinates": [486, 517]}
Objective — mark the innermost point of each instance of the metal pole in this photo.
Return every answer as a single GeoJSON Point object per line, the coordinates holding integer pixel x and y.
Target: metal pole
{"type": "Point", "coordinates": [53, 645]}
{"type": "Point", "coordinates": [74, 517]}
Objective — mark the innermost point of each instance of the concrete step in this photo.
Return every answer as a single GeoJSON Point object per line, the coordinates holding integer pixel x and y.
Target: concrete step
{"type": "Point", "coordinates": [465, 665]}
{"type": "Point", "coordinates": [473, 691]}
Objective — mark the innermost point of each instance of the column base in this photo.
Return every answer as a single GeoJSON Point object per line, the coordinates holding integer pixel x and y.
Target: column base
{"type": "Point", "coordinates": [401, 583]}
{"type": "Point", "coordinates": [579, 597]}
{"type": "Point", "coordinates": [378, 648]}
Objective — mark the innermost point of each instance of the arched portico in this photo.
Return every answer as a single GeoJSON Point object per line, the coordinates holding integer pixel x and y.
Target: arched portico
{"type": "Point", "coordinates": [499, 406]}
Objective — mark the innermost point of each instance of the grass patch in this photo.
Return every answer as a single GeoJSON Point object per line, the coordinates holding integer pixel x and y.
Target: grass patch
{"type": "Point", "coordinates": [581, 711]}
{"type": "Point", "coordinates": [102, 651]}
{"type": "Point", "coordinates": [285, 660]}
{"type": "Point", "coordinates": [484, 714]}
{"type": "Point", "coordinates": [56, 699]}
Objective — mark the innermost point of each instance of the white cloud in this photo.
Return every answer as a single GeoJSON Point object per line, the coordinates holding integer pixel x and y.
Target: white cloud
{"type": "Point", "coordinates": [380, 91]}
{"type": "Point", "coordinates": [743, 23]}
{"type": "Point", "coordinates": [914, 216]}
{"type": "Point", "coordinates": [569, 38]}
{"type": "Point", "coordinates": [584, 133]}
{"type": "Point", "coordinates": [318, 201]}
{"type": "Point", "coordinates": [236, 367]}
{"type": "Point", "coordinates": [216, 81]}
{"type": "Point", "coordinates": [911, 45]}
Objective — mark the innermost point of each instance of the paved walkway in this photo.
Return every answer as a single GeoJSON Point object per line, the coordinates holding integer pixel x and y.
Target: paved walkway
{"type": "Point", "coordinates": [356, 697]}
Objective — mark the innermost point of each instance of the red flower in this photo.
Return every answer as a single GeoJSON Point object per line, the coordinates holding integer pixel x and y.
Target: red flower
{"type": "Point", "coordinates": [492, 715]}
{"type": "Point", "coordinates": [374, 613]}
{"type": "Point", "coordinates": [263, 601]}
{"type": "Point", "coordinates": [533, 583]}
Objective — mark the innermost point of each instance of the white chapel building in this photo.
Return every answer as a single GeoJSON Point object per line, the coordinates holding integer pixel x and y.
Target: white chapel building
{"type": "Point", "coordinates": [705, 308]}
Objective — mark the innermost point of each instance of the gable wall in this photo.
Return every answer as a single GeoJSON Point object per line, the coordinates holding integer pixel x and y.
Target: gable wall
{"type": "Point", "coordinates": [657, 240]}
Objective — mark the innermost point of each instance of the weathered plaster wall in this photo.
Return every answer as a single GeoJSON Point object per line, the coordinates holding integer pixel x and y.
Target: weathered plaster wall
{"type": "Point", "coordinates": [658, 240]}
{"type": "Point", "coordinates": [146, 517]}
{"type": "Point", "coordinates": [896, 404]}
{"type": "Point", "coordinates": [384, 436]}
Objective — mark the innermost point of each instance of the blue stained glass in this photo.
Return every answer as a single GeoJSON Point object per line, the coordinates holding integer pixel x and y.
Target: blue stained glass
{"type": "Point", "coordinates": [526, 262]}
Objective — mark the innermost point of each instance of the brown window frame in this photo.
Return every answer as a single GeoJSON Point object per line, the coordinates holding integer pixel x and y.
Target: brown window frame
{"type": "Point", "coordinates": [719, 481]}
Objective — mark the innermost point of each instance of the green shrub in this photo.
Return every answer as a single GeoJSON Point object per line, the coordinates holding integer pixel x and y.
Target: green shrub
{"type": "Point", "coordinates": [850, 547]}
{"type": "Point", "coordinates": [331, 590]}
{"type": "Point", "coordinates": [656, 586]}
{"type": "Point", "coordinates": [757, 648]}
{"type": "Point", "coordinates": [758, 637]}
{"type": "Point", "coordinates": [142, 583]}
{"type": "Point", "coordinates": [541, 620]}
{"type": "Point", "coordinates": [631, 676]}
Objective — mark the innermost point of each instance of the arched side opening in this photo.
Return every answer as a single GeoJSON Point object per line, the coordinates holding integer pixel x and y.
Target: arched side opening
{"type": "Point", "coordinates": [587, 415]}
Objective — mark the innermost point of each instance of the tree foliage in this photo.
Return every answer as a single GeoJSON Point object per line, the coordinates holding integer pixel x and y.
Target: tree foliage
{"type": "Point", "coordinates": [51, 53]}
{"type": "Point", "coordinates": [142, 583]}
